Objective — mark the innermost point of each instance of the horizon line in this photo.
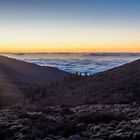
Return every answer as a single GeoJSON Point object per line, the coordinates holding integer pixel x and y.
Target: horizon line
{"type": "Point", "coordinates": [64, 52]}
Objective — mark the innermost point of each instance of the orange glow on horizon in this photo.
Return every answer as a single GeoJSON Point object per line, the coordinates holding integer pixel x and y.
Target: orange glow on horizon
{"type": "Point", "coordinates": [80, 48]}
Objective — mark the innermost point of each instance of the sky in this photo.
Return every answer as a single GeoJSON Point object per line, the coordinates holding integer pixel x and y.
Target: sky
{"type": "Point", "coordinates": [69, 25]}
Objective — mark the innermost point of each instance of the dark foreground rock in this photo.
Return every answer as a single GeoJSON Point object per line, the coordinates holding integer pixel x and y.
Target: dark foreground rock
{"type": "Point", "coordinates": [95, 122]}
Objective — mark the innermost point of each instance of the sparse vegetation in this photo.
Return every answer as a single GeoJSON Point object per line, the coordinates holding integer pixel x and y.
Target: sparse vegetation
{"type": "Point", "coordinates": [82, 122]}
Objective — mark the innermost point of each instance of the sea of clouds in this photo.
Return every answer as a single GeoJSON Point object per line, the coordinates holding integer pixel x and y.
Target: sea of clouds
{"type": "Point", "coordinates": [71, 62]}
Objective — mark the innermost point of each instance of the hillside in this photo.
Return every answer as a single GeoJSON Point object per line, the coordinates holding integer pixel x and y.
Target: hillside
{"type": "Point", "coordinates": [69, 116]}
{"type": "Point", "coordinates": [15, 70]}
{"type": "Point", "coordinates": [16, 75]}
{"type": "Point", "coordinates": [44, 85]}
{"type": "Point", "coordinates": [117, 85]}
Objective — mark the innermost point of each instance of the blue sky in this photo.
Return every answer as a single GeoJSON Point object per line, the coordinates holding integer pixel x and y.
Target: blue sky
{"type": "Point", "coordinates": [86, 10]}
{"type": "Point", "coordinates": [56, 14]}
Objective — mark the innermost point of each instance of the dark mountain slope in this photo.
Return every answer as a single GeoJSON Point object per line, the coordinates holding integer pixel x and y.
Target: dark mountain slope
{"type": "Point", "coordinates": [16, 76]}
{"type": "Point", "coordinates": [19, 71]}
{"type": "Point", "coordinates": [117, 85]}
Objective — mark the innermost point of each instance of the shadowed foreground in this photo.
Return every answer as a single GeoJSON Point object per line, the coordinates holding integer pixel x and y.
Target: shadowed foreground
{"type": "Point", "coordinates": [90, 122]}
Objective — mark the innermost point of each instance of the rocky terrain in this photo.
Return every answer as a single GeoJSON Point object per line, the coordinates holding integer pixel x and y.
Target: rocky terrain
{"type": "Point", "coordinates": [88, 122]}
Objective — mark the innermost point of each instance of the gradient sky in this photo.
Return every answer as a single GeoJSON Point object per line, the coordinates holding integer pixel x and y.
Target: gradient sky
{"type": "Point", "coordinates": [69, 25]}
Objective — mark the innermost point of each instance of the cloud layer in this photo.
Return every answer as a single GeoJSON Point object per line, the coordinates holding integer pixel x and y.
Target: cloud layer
{"type": "Point", "coordinates": [89, 62]}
